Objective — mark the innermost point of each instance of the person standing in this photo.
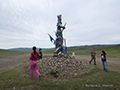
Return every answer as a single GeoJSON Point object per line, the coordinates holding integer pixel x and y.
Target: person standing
{"type": "Point", "coordinates": [103, 58]}
{"type": "Point", "coordinates": [73, 55]}
{"type": "Point", "coordinates": [93, 54]}
{"type": "Point", "coordinates": [40, 53]}
{"type": "Point", "coordinates": [33, 64]}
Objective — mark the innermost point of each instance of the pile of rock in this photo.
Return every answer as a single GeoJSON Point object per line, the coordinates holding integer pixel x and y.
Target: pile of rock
{"type": "Point", "coordinates": [65, 66]}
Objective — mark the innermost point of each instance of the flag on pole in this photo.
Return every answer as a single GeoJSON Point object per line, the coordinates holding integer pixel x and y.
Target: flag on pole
{"type": "Point", "coordinates": [51, 39]}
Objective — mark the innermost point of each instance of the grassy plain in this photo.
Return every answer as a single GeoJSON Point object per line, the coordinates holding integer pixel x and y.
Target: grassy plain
{"type": "Point", "coordinates": [12, 52]}
{"type": "Point", "coordinates": [112, 51]}
{"type": "Point", "coordinates": [96, 79]}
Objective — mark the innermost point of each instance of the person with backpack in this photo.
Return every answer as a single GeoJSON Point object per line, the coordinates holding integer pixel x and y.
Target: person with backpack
{"type": "Point", "coordinates": [103, 58]}
{"type": "Point", "coordinates": [33, 64]}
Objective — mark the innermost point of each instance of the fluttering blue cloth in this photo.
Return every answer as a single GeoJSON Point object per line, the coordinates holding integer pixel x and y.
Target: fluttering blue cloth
{"type": "Point", "coordinates": [51, 39]}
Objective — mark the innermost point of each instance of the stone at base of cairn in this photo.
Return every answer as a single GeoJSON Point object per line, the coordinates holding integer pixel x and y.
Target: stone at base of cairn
{"type": "Point", "coordinates": [58, 55]}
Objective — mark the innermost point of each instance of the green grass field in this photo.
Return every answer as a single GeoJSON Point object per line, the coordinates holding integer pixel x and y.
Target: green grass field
{"type": "Point", "coordinates": [96, 79]}
{"type": "Point", "coordinates": [12, 52]}
{"type": "Point", "coordinates": [49, 51]}
{"type": "Point", "coordinates": [113, 51]}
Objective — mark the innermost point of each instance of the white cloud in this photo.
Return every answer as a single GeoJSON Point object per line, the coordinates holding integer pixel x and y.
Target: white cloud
{"type": "Point", "coordinates": [27, 22]}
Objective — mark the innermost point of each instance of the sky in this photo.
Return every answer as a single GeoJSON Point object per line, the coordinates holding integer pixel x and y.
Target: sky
{"type": "Point", "coordinates": [26, 23]}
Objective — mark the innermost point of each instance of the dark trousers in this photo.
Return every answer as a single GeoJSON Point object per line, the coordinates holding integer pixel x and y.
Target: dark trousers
{"type": "Point", "coordinates": [93, 58]}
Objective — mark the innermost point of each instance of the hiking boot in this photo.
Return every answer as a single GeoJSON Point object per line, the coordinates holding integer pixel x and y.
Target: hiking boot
{"type": "Point", "coordinates": [30, 78]}
{"type": "Point", "coordinates": [39, 76]}
{"type": "Point", "coordinates": [90, 62]}
{"type": "Point", "coordinates": [105, 70]}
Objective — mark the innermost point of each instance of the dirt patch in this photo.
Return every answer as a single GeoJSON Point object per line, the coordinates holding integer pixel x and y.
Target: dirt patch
{"type": "Point", "coordinates": [10, 61]}
{"type": "Point", "coordinates": [112, 63]}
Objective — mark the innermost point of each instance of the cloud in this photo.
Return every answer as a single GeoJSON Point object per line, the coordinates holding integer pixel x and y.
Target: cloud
{"type": "Point", "coordinates": [27, 22]}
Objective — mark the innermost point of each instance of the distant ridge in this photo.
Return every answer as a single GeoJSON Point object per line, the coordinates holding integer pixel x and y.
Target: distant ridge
{"type": "Point", "coordinates": [85, 47]}
{"type": "Point", "coordinates": [20, 49]}
{"type": "Point", "coordinates": [25, 49]}
{"type": "Point", "coordinates": [72, 47]}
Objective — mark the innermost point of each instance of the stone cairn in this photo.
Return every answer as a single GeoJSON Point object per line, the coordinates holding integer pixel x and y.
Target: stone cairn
{"type": "Point", "coordinates": [61, 61]}
{"type": "Point", "coordinates": [65, 66]}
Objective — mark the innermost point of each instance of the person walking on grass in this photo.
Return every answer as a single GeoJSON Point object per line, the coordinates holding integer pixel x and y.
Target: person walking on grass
{"type": "Point", "coordinates": [93, 54]}
{"type": "Point", "coordinates": [103, 58]}
{"type": "Point", "coordinates": [33, 64]}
